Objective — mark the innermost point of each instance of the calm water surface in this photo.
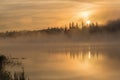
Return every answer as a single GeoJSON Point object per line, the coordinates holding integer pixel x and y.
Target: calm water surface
{"type": "Point", "coordinates": [68, 63]}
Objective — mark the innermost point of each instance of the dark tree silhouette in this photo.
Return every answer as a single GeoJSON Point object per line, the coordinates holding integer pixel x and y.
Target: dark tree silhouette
{"type": "Point", "coordinates": [6, 75]}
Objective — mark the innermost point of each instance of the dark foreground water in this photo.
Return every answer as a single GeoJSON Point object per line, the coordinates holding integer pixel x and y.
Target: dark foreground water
{"type": "Point", "coordinates": [86, 62]}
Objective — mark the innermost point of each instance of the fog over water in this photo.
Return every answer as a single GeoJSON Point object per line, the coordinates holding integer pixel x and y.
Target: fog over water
{"type": "Point", "coordinates": [75, 61]}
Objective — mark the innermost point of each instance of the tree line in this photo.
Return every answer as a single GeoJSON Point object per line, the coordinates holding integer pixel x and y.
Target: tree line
{"type": "Point", "coordinates": [111, 27]}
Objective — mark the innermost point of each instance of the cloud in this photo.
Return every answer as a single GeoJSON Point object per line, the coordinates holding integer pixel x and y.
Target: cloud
{"type": "Point", "coordinates": [85, 0]}
{"type": "Point", "coordinates": [43, 13]}
{"type": "Point", "coordinates": [92, 1]}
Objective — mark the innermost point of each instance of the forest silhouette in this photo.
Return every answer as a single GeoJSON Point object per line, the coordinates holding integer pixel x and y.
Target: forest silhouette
{"type": "Point", "coordinates": [73, 29]}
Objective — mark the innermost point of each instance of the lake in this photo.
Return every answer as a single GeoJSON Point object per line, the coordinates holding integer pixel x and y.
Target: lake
{"type": "Point", "coordinates": [76, 62]}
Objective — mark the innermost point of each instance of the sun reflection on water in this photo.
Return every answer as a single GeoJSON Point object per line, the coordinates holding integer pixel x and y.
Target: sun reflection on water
{"type": "Point", "coordinates": [89, 55]}
{"type": "Point", "coordinates": [83, 56]}
{"type": "Point", "coordinates": [86, 61]}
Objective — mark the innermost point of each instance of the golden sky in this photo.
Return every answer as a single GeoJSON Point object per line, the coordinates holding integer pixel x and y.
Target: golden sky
{"type": "Point", "coordinates": [39, 14]}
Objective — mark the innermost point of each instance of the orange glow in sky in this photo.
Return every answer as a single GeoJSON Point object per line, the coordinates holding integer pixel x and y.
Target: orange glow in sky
{"type": "Point", "coordinates": [40, 14]}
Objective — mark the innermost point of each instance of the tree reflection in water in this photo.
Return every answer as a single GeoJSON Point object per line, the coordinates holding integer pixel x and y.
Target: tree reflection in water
{"type": "Point", "coordinates": [85, 55]}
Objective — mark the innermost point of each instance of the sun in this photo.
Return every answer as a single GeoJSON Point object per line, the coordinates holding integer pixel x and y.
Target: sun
{"type": "Point", "coordinates": [88, 22]}
{"type": "Point", "coordinates": [85, 17]}
{"type": "Point", "coordinates": [85, 14]}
